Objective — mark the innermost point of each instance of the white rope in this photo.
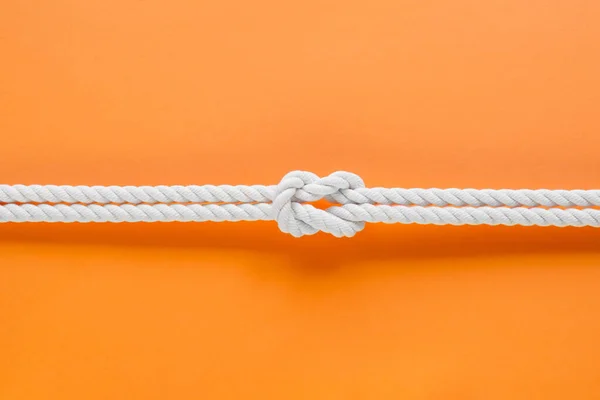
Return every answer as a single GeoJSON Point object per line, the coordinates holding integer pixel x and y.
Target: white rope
{"type": "Point", "coordinates": [263, 194]}
{"type": "Point", "coordinates": [134, 213]}
{"type": "Point", "coordinates": [469, 215]}
{"type": "Point", "coordinates": [286, 203]}
{"type": "Point", "coordinates": [135, 194]}
{"type": "Point", "coordinates": [340, 221]}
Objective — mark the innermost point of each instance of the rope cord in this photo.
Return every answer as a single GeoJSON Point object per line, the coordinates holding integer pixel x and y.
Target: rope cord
{"type": "Point", "coordinates": [287, 203]}
{"type": "Point", "coordinates": [263, 194]}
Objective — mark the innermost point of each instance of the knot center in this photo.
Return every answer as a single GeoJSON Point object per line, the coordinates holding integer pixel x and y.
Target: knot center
{"type": "Point", "coordinates": [300, 187]}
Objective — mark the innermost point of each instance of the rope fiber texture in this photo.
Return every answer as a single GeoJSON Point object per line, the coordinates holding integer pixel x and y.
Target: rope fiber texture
{"type": "Point", "coordinates": [288, 203]}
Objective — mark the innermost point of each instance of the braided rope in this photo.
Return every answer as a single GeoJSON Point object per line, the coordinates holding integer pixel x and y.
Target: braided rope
{"type": "Point", "coordinates": [286, 203]}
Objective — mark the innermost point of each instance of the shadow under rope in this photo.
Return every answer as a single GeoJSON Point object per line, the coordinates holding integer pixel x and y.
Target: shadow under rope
{"type": "Point", "coordinates": [376, 242]}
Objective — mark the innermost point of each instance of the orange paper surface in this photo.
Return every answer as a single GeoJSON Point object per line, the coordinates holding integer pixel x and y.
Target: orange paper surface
{"type": "Point", "coordinates": [498, 94]}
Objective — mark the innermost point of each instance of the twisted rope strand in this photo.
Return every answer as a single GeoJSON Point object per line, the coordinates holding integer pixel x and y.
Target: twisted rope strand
{"type": "Point", "coordinates": [134, 213]}
{"type": "Point", "coordinates": [288, 203]}
{"type": "Point", "coordinates": [135, 194]}
{"type": "Point", "coordinates": [333, 220]}
{"type": "Point", "coordinates": [263, 194]}
{"type": "Point", "coordinates": [468, 215]}
{"type": "Point", "coordinates": [472, 197]}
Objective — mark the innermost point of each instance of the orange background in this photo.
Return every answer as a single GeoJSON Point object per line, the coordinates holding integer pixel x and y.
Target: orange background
{"type": "Point", "coordinates": [404, 93]}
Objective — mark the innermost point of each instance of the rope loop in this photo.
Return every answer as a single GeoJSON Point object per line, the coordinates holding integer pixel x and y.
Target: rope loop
{"type": "Point", "coordinates": [299, 219]}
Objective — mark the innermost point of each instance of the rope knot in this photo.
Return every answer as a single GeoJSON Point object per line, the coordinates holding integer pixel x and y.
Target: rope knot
{"type": "Point", "coordinates": [300, 219]}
